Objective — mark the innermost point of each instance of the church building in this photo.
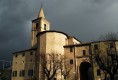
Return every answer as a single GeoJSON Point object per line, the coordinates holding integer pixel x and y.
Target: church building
{"type": "Point", "coordinates": [29, 64]}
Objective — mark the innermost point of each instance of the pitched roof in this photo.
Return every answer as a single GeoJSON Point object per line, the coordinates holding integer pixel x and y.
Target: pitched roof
{"type": "Point", "coordinates": [25, 50]}
{"type": "Point", "coordinates": [41, 13]}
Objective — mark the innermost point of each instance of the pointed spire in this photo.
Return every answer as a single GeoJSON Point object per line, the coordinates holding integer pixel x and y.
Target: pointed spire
{"type": "Point", "coordinates": [41, 13]}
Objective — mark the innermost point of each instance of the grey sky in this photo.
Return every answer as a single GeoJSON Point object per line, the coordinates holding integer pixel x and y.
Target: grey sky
{"type": "Point", "coordinates": [84, 19]}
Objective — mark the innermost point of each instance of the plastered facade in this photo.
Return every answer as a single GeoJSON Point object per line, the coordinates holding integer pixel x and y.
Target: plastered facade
{"type": "Point", "coordinates": [46, 41]}
{"type": "Point", "coordinates": [24, 60]}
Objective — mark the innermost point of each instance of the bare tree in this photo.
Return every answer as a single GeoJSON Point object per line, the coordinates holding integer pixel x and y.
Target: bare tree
{"type": "Point", "coordinates": [66, 68]}
{"type": "Point", "coordinates": [50, 64]}
{"type": "Point", "coordinates": [106, 55]}
{"type": "Point", "coordinates": [109, 36]}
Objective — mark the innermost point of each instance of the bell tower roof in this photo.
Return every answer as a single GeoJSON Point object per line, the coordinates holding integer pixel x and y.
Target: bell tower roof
{"type": "Point", "coordinates": [41, 13]}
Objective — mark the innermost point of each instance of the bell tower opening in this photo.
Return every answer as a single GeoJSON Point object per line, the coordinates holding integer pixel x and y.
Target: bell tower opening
{"type": "Point", "coordinates": [39, 25]}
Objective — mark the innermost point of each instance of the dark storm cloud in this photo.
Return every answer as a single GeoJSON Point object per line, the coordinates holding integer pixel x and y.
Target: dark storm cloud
{"type": "Point", "coordinates": [15, 16]}
{"type": "Point", "coordinates": [84, 19]}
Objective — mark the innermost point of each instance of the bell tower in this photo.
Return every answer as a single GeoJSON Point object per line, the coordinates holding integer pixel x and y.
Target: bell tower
{"type": "Point", "coordinates": [39, 25]}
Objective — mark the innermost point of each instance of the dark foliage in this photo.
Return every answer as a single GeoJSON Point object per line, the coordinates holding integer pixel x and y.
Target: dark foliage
{"type": "Point", "coordinates": [5, 74]}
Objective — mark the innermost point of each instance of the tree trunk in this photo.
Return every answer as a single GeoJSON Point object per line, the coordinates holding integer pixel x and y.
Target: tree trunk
{"type": "Point", "coordinates": [49, 79]}
{"type": "Point", "coordinates": [105, 76]}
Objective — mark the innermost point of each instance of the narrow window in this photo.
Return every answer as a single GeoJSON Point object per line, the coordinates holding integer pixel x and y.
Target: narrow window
{"type": "Point", "coordinates": [16, 55]}
{"type": "Point", "coordinates": [30, 72]}
{"type": "Point", "coordinates": [98, 72]}
{"type": "Point", "coordinates": [23, 54]}
{"type": "Point", "coordinates": [23, 73]}
{"type": "Point", "coordinates": [71, 49]}
{"type": "Point", "coordinates": [84, 52]}
{"type": "Point", "coordinates": [96, 47]}
{"type": "Point", "coordinates": [37, 24]}
{"type": "Point", "coordinates": [15, 73]}
{"type": "Point", "coordinates": [44, 26]}
{"type": "Point", "coordinates": [31, 53]}
{"type": "Point", "coordinates": [71, 61]}
{"type": "Point", "coordinates": [111, 45]}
